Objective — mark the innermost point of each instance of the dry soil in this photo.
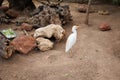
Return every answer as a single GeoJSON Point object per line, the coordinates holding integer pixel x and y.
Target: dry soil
{"type": "Point", "coordinates": [95, 56]}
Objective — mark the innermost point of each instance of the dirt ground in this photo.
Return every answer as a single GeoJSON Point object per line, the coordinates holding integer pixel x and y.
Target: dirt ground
{"type": "Point", "coordinates": [96, 54]}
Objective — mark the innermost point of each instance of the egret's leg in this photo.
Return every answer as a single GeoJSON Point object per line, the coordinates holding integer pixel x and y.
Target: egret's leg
{"type": "Point", "coordinates": [70, 53]}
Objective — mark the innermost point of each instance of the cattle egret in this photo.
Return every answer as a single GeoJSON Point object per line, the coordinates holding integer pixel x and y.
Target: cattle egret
{"type": "Point", "coordinates": [71, 39]}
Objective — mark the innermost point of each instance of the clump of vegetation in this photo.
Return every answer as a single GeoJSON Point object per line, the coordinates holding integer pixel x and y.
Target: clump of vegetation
{"type": "Point", "coordinates": [116, 2]}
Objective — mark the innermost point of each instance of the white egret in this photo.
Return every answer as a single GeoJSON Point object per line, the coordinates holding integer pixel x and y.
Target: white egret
{"type": "Point", "coordinates": [71, 39]}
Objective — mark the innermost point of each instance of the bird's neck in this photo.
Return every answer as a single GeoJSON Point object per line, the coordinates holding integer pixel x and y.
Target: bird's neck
{"type": "Point", "coordinates": [74, 31]}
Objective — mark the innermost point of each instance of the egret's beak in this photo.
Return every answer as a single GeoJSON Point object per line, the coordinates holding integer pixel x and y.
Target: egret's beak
{"type": "Point", "coordinates": [77, 27]}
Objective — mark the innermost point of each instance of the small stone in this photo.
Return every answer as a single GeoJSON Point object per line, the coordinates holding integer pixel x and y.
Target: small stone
{"type": "Point", "coordinates": [103, 12]}
{"type": "Point", "coordinates": [97, 50]}
{"type": "Point", "coordinates": [44, 44]}
{"type": "Point", "coordinates": [12, 13]}
{"type": "Point", "coordinates": [104, 27]}
{"type": "Point", "coordinates": [4, 8]}
{"type": "Point", "coordinates": [24, 44]}
{"type": "Point", "coordinates": [83, 9]}
{"type": "Point", "coordinates": [26, 27]}
{"type": "Point", "coordinates": [80, 58]}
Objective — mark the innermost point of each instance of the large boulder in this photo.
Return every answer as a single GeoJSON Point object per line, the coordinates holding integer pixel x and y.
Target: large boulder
{"type": "Point", "coordinates": [44, 44]}
{"type": "Point", "coordinates": [24, 44]}
{"type": "Point", "coordinates": [50, 31]}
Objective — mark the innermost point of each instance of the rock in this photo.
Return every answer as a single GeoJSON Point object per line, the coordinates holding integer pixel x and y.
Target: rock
{"type": "Point", "coordinates": [4, 8]}
{"type": "Point", "coordinates": [103, 12]}
{"type": "Point", "coordinates": [24, 44]}
{"type": "Point", "coordinates": [12, 13]}
{"type": "Point", "coordinates": [26, 27]}
{"type": "Point", "coordinates": [51, 13]}
{"type": "Point", "coordinates": [49, 31]}
{"type": "Point", "coordinates": [6, 49]}
{"type": "Point", "coordinates": [54, 19]}
{"type": "Point", "coordinates": [83, 9]}
{"type": "Point", "coordinates": [104, 27]}
{"type": "Point", "coordinates": [21, 5]}
{"type": "Point", "coordinates": [44, 44]}
{"type": "Point", "coordinates": [19, 20]}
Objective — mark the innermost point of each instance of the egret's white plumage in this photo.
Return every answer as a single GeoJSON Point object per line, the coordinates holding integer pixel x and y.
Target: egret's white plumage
{"type": "Point", "coordinates": [71, 39]}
